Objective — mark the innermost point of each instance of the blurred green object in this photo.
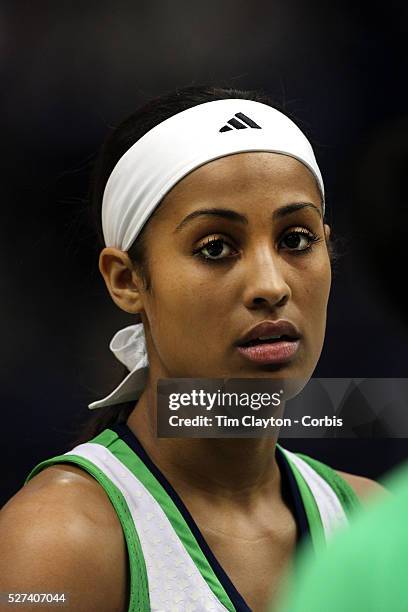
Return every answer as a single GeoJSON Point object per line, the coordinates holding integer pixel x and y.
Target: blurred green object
{"type": "Point", "coordinates": [363, 569]}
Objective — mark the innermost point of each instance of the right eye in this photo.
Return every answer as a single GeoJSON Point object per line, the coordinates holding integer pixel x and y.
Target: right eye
{"type": "Point", "coordinates": [215, 249]}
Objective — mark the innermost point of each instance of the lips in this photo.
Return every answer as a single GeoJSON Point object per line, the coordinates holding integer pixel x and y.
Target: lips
{"type": "Point", "coordinates": [270, 342]}
{"type": "Point", "coordinates": [269, 331]}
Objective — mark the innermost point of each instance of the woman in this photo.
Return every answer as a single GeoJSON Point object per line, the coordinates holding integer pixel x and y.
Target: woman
{"type": "Point", "coordinates": [212, 216]}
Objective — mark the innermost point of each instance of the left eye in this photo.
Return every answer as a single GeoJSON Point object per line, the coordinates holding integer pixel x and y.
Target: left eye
{"type": "Point", "coordinates": [297, 241]}
{"type": "Point", "coordinates": [215, 249]}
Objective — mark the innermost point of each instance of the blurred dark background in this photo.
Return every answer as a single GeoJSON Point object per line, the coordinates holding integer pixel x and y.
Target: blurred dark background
{"type": "Point", "coordinates": [69, 71]}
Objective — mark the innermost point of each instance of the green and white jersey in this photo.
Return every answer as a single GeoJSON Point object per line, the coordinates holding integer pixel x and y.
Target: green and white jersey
{"type": "Point", "coordinates": [171, 566]}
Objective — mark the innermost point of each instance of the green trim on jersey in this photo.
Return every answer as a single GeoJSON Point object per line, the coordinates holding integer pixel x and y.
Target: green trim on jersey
{"type": "Point", "coordinates": [139, 582]}
{"type": "Point", "coordinates": [110, 440]}
{"type": "Point", "coordinates": [139, 592]}
{"type": "Point", "coordinates": [133, 462]}
{"type": "Point", "coordinates": [314, 520]}
{"type": "Point", "coordinates": [347, 496]}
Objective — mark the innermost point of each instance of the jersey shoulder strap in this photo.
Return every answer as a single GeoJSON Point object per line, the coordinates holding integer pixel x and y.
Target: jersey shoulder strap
{"type": "Point", "coordinates": [168, 569]}
{"type": "Point", "coordinates": [327, 498]}
{"type": "Point", "coordinates": [139, 600]}
{"type": "Point", "coordinates": [347, 496]}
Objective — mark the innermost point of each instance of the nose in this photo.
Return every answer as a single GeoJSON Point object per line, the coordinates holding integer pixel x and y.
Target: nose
{"type": "Point", "coordinates": [265, 283]}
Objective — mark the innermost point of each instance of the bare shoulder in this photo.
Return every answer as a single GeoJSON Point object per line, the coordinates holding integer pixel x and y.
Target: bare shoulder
{"type": "Point", "coordinates": [366, 489]}
{"type": "Point", "coordinates": [60, 533]}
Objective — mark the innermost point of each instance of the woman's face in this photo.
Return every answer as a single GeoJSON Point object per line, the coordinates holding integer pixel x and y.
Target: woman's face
{"type": "Point", "coordinates": [261, 257]}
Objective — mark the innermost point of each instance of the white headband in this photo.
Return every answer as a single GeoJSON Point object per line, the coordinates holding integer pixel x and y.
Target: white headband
{"type": "Point", "coordinates": [159, 160]}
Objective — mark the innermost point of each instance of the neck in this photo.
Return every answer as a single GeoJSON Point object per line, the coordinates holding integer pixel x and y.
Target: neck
{"type": "Point", "coordinates": [238, 470]}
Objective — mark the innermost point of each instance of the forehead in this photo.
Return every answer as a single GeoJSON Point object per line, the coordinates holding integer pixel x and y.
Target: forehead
{"type": "Point", "coordinates": [243, 178]}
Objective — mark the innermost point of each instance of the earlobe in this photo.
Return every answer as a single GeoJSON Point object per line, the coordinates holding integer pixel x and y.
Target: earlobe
{"type": "Point", "coordinates": [121, 279]}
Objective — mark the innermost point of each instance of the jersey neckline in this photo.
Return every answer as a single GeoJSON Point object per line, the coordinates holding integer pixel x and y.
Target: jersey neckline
{"type": "Point", "coordinates": [290, 494]}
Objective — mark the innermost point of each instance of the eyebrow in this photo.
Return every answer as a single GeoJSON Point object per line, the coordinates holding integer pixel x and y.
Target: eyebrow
{"type": "Point", "coordinates": [232, 215]}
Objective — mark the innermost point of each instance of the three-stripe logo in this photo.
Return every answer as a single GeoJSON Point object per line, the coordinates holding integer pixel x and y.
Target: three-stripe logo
{"type": "Point", "coordinates": [239, 122]}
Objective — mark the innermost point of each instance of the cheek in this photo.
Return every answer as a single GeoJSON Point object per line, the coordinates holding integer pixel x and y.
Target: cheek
{"type": "Point", "coordinates": [317, 291]}
{"type": "Point", "coordinates": [186, 320]}
{"type": "Point", "coordinates": [316, 278]}
{"type": "Point", "coordinates": [319, 300]}
{"type": "Point", "coordinates": [311, 297]}
{"type": "Point", "coordinates": [185, 300]}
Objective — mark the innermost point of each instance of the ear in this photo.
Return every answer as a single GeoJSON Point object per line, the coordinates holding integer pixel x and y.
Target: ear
{"type": "Point", "coordinates": [327, 231]}
{"type": "Point", "coordinates": [121, 279]}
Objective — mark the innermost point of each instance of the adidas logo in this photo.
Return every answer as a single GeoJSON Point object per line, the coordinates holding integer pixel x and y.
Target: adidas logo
{"type": "Point", "coordinates": [239, 122]}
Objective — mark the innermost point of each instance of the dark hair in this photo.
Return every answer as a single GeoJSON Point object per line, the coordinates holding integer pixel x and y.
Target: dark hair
{"type": "Point", "coordinates": [117, 143]}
